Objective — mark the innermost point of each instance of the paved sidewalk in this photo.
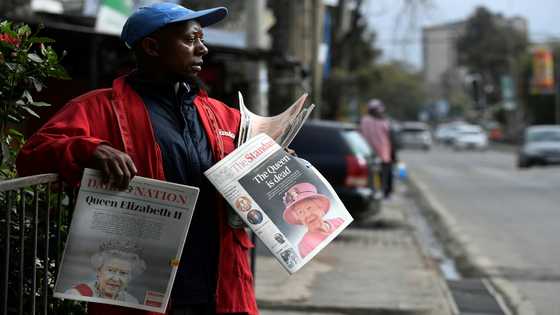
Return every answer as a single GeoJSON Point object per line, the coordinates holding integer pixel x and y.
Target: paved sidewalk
{"type": "Point", "coordinates": [376, 268]}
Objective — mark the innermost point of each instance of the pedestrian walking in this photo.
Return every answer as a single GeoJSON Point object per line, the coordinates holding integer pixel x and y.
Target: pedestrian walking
{"type": "Point", "coordinates": [158, 122]}
{"type": "Point", "coordinates": [376, 129]}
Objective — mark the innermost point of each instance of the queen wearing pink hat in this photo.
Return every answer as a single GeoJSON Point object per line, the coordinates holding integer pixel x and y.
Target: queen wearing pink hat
{"type": "Point", "coordinates": [304, 206]}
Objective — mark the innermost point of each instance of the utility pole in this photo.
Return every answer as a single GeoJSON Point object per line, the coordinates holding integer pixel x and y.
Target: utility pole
{"type": "Point", "coordinates": [283, 75]}
{"type": "Point", "coordinates": [316, 64]}
{"type": "Point", "coordinates": [510, 104]}
{"type": "Point", "coordinates": [257, 70]}
{"type": "Point", "coordinates": [557, 86]}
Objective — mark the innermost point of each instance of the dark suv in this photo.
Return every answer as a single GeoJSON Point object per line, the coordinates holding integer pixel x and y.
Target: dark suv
{"type": "Point", "coordinates": [345, 159]}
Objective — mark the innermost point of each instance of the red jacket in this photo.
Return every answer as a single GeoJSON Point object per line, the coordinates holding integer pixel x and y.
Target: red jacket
{"type": "Point", "coordinates": [118, 117]}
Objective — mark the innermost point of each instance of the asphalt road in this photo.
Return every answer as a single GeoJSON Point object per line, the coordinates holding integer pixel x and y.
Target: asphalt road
{"type": "Point", "coordinates": [512, 216]}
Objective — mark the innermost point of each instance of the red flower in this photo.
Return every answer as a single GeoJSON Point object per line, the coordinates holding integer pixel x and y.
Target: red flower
{"type": "Point", "coordinates": [9, 39]}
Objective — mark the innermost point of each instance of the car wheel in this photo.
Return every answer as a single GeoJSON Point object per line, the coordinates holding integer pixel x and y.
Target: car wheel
{"type": "Point", "coordinates": [522, 163]}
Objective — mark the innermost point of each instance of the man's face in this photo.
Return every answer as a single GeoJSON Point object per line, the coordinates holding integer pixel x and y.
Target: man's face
{"type": "Point", "coordinates": [181, 48]}
{"type": "Point", "coordinates": [310, 214]}
{"type": "Point", "coordinates": [113, 276]}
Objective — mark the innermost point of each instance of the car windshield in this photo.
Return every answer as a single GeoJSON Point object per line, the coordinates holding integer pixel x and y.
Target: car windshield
{"type": "Point", "coordinates": [470, 130]}
{"type": "Point", "coordinates": [357, 143]}
{"type": "Point", "coordinates": [543, 135]}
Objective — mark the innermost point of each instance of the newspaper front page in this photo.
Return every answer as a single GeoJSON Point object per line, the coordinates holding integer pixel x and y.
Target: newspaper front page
{"type": "Point", "coordinates": [283, 199]}
{"type": "Point", "coordinates": [124, 247]}
{"type": "Point", "coordinates": [282, 128]}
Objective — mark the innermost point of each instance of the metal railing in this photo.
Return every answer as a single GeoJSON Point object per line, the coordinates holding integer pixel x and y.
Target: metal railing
{"type": "Point", "coordinates": [35, 215]}
{"type": "Point", "coordinates": [34, 219]}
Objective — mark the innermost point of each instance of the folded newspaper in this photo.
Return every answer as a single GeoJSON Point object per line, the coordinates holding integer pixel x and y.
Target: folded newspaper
{"type": "Point", "coordinates": [282, 127]}
{"type": "Point", "coordinates": [124, 247]}
{"type": "Point", "coordinates": [287, 203]}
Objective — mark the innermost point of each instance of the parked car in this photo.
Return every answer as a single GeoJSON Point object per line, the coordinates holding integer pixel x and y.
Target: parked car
{"type": "Point", "coordinates": [541, 145]}
{"type": "Point", "coordinates": [470, 137]}
{"type": "Point", "coordinates": [346, 160]}
{"type": "Point", "coordinates": [442, 133]}
{"type": "Point", "coordinates": [445, 133]}
{"type": "Point", "coordinates": [415, 134]}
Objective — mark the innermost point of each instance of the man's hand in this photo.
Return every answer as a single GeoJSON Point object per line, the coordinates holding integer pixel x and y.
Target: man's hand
{"type": "Point", "coordinates": [117, 166]}
{"type": "Point", "coordinates": [290, 152]}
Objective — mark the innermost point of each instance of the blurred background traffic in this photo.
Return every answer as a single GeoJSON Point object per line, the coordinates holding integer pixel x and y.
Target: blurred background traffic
{"type": "Point", "coordinates": [488, 65]}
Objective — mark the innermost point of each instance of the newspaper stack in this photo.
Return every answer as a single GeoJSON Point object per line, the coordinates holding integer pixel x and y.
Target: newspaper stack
{"type": "Point", "coordinates": [282, 128]}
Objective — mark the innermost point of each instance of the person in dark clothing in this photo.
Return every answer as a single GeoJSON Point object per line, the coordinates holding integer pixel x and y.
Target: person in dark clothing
{"type": "Point", "coordinates": [394, 138]}
{"type": "Point", "coordinates": [159, 122]}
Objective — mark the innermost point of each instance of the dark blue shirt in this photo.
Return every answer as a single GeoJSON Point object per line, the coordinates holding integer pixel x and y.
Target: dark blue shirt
{"type": "Point", "coordinates": [186, 154]}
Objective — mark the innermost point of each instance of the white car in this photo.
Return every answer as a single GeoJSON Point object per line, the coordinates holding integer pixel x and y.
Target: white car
{"type": "Point", "coordinates": [445, 133]}
{"type": "Point", "coordinates": [470, 137]}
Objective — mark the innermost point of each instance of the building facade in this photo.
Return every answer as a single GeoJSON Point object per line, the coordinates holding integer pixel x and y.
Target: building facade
{"type": "Point", "coordinates": [440, 58]}
{"type": "Point", "coordinates": [441, 68]}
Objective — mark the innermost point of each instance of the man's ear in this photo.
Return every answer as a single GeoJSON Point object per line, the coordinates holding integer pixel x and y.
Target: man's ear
{"type": "Point", "coordinates": [150, 46]}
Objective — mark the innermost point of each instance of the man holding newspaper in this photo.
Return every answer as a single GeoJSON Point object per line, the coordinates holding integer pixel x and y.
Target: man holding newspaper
{"type": "Point", "coordinates": [158, 122]}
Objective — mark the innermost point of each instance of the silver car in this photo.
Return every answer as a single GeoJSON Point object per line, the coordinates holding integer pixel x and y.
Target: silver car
{"type": "Point", "coordinates": [541, 146]}
{"type": "Point", "coordinates": [414, 134]}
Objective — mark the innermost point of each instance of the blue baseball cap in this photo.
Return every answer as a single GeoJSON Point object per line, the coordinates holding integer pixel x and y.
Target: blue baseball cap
{"type": "Point", "coordinates": [149, 19]}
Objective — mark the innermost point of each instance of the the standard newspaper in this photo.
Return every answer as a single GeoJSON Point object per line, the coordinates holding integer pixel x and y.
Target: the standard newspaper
{"type": "Point", "coordinates": [282, 127]}
{"type": "Point", "coordinates": [124, 246]}
{"type": "Point", "coordinates": [283, 199]}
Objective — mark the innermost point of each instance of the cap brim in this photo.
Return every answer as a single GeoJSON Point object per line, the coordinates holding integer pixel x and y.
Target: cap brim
{"type": "Point", "coordinates": [205, 17]}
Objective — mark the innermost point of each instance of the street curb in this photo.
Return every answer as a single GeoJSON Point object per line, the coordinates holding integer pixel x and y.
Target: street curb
{"type": "Point", "coordinates": [504, 147]}
{"type": "Point", "coordinates": [307, 308]}
{"type": "Point", "coordinates": [467, 256]}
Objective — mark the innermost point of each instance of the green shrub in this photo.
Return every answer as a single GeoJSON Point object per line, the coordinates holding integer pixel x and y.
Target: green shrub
{"type": "Point", "coordinates": [26, 62]}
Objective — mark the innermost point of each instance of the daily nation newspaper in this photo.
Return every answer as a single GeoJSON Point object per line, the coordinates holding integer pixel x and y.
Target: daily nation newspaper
{"type": "Point", "coordinates": [282, 127]}
{"type": "Point", "coordinates": [124, 247]}
{"type": "Point", "coordinates": [285, 201]}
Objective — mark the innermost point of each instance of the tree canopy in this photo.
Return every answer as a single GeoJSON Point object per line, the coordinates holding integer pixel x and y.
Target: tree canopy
{"type": "Point", "coordinates": [490, 45]}
{"type": "Point", "coordinates": [357, 74]}
{"type": "Point", "coordinates": [398, 86]}
{"type": "Point", "coordinates": [350, 51]}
